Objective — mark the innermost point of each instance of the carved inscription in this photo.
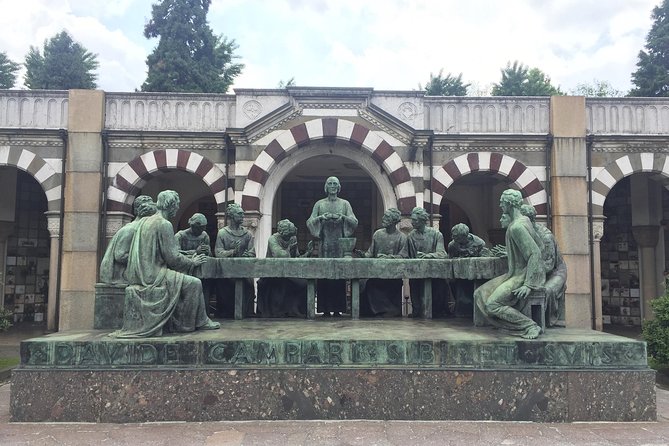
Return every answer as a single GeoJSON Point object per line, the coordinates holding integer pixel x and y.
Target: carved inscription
{"type": "Point", "coordinates": [324, 353]}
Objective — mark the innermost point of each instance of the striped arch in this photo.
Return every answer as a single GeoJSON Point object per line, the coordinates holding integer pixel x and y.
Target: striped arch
{"type": "Point", "coordinates": [523, 178]}
{"type": "Point", "coordinates": [133, 176]}
{"type": "Point", "coordinates": [329, 128]}
{"type": "Point", "coordinates": [43, 173]}
{"type": "Point", "coordinates": [621, 168]}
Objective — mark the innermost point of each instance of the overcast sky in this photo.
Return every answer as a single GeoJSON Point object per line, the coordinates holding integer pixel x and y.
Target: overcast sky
{"type": "Point", "coordinates": [384, 44]}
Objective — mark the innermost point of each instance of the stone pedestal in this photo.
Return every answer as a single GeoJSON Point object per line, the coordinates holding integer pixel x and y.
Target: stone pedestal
{"type": "Point", "coordinates": [366, 369]}
{"type": "Point", "coordinates": [109, 302]}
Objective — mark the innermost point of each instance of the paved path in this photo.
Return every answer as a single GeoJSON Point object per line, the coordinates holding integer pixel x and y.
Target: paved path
{"type": "Point", "coordinates": [312, 433]}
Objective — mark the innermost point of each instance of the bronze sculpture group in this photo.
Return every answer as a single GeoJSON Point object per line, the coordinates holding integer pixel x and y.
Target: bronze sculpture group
{"type": "Point", "coordinates": [163, 295]}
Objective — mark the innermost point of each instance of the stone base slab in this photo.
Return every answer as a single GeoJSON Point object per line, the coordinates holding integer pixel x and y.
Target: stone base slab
{"type": "Point", "coordinates": [122, 396]}
{"type": "Point", "coordinates": [334, 369]}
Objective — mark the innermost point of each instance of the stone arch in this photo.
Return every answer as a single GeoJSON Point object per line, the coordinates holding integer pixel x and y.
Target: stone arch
{"type": "Point", "coordinates": [134, 175]}
{"type": "Point", "coordinates": [329, 128]}
{"type": "Point", "coordinates": [44, 174]}
{"type": "Point", "coordinates": [523, 178]}
{"type": "Point", "coordinates": [621, 168]}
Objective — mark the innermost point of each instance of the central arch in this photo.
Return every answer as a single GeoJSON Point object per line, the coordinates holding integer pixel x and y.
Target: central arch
{"type": "Point", "coordinates": [281, 171]}
{"type": "Point", "coordinates": [373, 144]}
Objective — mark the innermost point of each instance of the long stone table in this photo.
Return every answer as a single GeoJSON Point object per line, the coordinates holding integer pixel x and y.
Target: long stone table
{"type": "Point", "coordinates": [311, 269]}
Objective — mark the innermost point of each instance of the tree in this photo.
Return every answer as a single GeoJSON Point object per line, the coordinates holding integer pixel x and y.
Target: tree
{"type": "Point", "coordinates": [520, 80]}
{"type": "Point", "coordinates": [64, 64]}
{"type": "Point", "coordinates": [652, 75]}
{"type": "Point", "coordinates": [8, 70]}
{"type": "Point", "coordinates": [189, 57]}
{"type": "Point", "coordinates": [289, 83]}
{"type": "Point", "coordinates": [448, 85]}
{"type": "Point", "coordinates": [596, 89]}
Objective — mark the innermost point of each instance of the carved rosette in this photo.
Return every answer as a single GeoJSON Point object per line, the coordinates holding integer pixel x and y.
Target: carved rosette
{"type": "Point", "coordinates": [252, 109]}
{"type": "Point", "coordinates": [407, 112]}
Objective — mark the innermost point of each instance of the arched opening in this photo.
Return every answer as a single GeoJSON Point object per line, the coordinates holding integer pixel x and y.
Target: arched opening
{"type": "Point", "coordinates": [304, 184]}
{"type": "Point", "coordinates": [24, 246]}
{"type": "Point", "coordinates": [473, 199]}
{"type": "Point", "coordinates": [194, 194]}
{"type": "Point", "coordinates": [633, 248]}
{"type": "Point", "coordinates": [364, 183]}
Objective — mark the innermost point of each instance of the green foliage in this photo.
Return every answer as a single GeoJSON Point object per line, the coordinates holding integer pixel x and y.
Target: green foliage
{"type": "Point", "coordinates": [448, 85]}
{"type": "Point", "coordinates": [656, 331]}
{"type": "Point", "coordinates": [596, 89]}
{"type": "Point", "coordinates": [520, 80]}
{"type": "Point", "coordinates": [8, 69]}
{"type": "Point", "coordinates": [652, 75]}
{"type": "Point", "coordinates": [63, 65]}
{"type": "Point", "coordinates": [289, 83]}
{"type": "Point", "coordinates": [6, 316]}
{"type": "Point", "coordinates": [189, 57]}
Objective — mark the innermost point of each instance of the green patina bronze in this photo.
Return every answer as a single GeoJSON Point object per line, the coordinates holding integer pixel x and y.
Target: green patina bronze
{"type": "Point", "coordinates": [233, 241]}
{"type": "Point", "coordinates": [283, 296]}
{"type": "Point", "coordinates": [160, 295]}
{"type": "Point", "coordinates": [333, 222]}
{"type": "Point", "coordinates": [502, 301]}
{"type": "Point", "coordinates": [383, 297]}
{"type": "Point", "coordinates": [326, 344]}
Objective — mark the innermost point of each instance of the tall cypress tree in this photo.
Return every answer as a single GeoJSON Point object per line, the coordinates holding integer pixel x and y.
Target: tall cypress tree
{"type": "Point", "coordinates": [63, 64]}
{"type": "Point", "coordinates": [652, 75]}
{"type": "Point", "coordinates": [189, 56]}
{"type": "Point", "coordinates": [8, 69]}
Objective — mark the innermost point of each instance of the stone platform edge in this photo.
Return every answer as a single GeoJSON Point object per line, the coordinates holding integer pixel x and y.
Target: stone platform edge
{"type": "Point", "coordinates": [205, 394]}
{"type": "Point", "coordinates": [54, 353]}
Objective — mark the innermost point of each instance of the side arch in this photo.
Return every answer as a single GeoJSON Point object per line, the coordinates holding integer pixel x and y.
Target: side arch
{"type": "Point", "coordinates": [329, 128]}
{"type": "Point", "coordinates": [523, 178]}
{"type": "Point", "coordinates": [44, 174]}
{"type": "Point", "coordinates": [621, 168]}
{"type": "Point", "coordinates": [134, 175]}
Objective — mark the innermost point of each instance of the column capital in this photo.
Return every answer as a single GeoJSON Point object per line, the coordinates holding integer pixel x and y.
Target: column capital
{"type": "Point", "coordinates": [598, 227]}
{"type": "Point", "coordinates": [53, 223]}
{"type": "Point", "coordinates": [436, 218]}
{"type": "Point", "coordinates": [646, 236]}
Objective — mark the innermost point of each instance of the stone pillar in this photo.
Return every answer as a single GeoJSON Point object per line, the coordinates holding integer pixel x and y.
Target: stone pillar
{"type": "Point", "coordinates": [83, 172]}
{"type": "Point", "coordinates": [436, 219]}
{"type": "Point", "coordinates": [646, 199]}
{"type": "Point", "coordinates": [597, 234]}
{"type": "Point", "coordinates": [569, 191]}
{"type": "Point", "coordinates": [53, 225]}
{"type": "Point", "coordinates": [6, 229]}
{"type": "Point", "coordinates": [647, 236]}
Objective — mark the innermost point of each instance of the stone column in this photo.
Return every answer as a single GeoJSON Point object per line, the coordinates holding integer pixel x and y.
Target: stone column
{"type": "Point", "coordinates": [597, 234]}
{"type": "Point", "coordinates": [6, 229]}
{"type": "Point", "coordinates": [83, 172]}
{"type": "Point", "coordinates": [569, 191]}
{"type": "Point", "coordinates": [53, 225]}
{"type": "Point", "coordinates": [436, 219]}
{"type": "Point", "coordinates": [647, 236]}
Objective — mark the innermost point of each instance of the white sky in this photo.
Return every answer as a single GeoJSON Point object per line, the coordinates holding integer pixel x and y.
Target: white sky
{"type": "Point", "coordinates": [384, 44]}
